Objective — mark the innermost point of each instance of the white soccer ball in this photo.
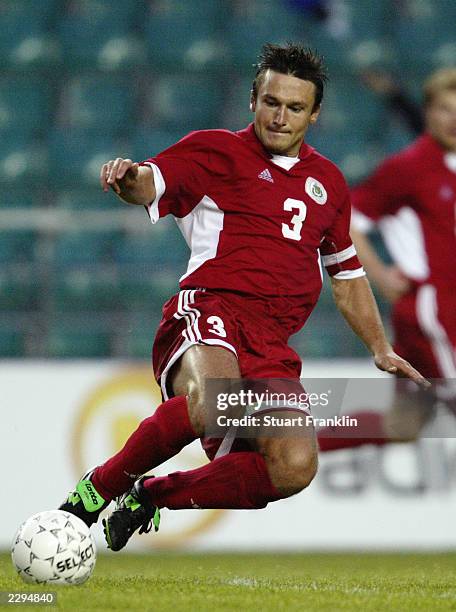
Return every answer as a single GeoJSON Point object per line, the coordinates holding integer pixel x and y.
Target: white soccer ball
{"type": "Point", "coordinates": [54, 547]}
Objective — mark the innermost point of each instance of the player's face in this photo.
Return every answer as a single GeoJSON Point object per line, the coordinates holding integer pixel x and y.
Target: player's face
{"type": "Point", "coordinates": [441, 119]}
{"type": "Point", "coordinates": [283, 112]}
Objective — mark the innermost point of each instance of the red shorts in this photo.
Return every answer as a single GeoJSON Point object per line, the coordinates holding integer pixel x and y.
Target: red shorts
{"type": "Point", "coordinates": [242, 325]}
{"type": "Point", "coordinates": [424, 324]}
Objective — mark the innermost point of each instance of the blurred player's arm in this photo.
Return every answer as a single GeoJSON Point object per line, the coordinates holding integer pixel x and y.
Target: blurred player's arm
{"type": "Point", "coordinates": [357, 304]}
{"type": "Point", "coordinates": [387, 278]}
{"type": "Point", "coordinates": [133, 183]}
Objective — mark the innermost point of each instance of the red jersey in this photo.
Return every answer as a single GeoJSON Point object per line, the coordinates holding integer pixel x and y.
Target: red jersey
{"type": "Point", "coordinates": [253, 226]}
{"type": "Point", "coordinates": [412, 197]}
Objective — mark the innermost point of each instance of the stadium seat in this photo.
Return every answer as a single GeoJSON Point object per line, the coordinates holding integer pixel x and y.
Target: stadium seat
{"type": "Point", "coordinates": [424, 36]}
{"type": "Point", "coordinates": [355, 155]}
{"type": "Point", "coordinates": [79, 154]}
{"type": "Point", "coordinates": [85, 289]}
{"type": "Point", "coordinates": [99, 102]}
{"type": "Point", "coordinates": [351, 109]}
{"type": "Point", "coordinates": [185, 33]}
{"type": "Point", "coordinates": [325, 335]}
{"type": "Point", "coordinates": [255, 22]}
{"type": "Point", "coordinates": [26, 105]}
{"type": "Point", "coordinates": [12, 343]}
{"type": "Point", "coordinates": [147, 142]}
{"type": "Point", "coordinates": [17, 246]}
{"type": "Point", "coordinates": [369, 19]}
{"type": "Point", "coordinates": [23, 160]}
{"type": "Point", "coordinates": [86, 200]}
{"type": "Point", "coordinates": [236, 112]}
{"type": "Point", "coordinates": [184, 102]}
{"type": "Point", "coordinates": [141, 290]}
{"type": "Point", "coordinates": [85, 248]}
{"type": "Point", "coordinates": [20, 289]}
{"type": "Point", "coordinates": [139, 334]}
{"type": "Point", "coordinates": [99, 33]}
{"type": "Point", "coordinates": [25, 42]}
{"type": "Point", "coordinates": [21, 197]}
{"type": "Point", "coordinates": [161, 245]}
{"type": "Point", "coordinates": [76, 339]}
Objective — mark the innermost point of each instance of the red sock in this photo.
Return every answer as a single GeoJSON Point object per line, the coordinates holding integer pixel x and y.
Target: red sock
{"type": "Point", "coordinates": [368, 431]}
{"type": "Point", "coordinates": [157, 439]}
{"type": "Point", "coordinates": [237, 481]}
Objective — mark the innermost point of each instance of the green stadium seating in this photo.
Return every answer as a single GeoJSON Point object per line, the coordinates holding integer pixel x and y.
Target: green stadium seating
{"type": "Point", "coordinates": [17, 246]}
{"type": "Point", "coordinates": [85, 248]}
{"type": "Point", "coordinates": [21, 197]}
{"type": "Point", "coordinates": [86, 200]}
{"type": "Point", "coordinates": [100, 102]}
{"type": "Point", "coordinates": [160, 245]}
{"type": "Point", "coordinates": [236, 113]}
{"type": "Point", "coordinates": [26, 105]}
{"type": "Point", "coordinates": [12, 342]}
{"type": "Point", "coordinates": [186, 33]}
{"type": "Point", "coordinates": [425, 36]}
{"type": "Point", "coordinates": [23, 160]}
{"type": "Point", "coordinates": [147, 142]}
{"type": "Point", "coordinates": [75, 339]}
{"type": "Point", "coordinates": [326, 335]}
{"type": "Point", "coordinates": [85, 289]}
{"type": "Point", "coordinates": [24, 39]}
{"type": "Point", "coordinates": [99, 33]}
{"type": "Point", "coordinates": [255, 22]}
{"type": "Point", "coordinates": [20, 289]}
{"type": "Point", "coordinates": [79, 154]}
{"type": "Point", "coordinates": [142, 290]}
{"type": "Point", "coordinates": [139, 333]}
{"type": "Point", "coordinates": [184, 102]}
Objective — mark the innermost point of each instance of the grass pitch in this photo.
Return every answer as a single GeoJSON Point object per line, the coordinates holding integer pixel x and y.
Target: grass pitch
{"type": "Point", "coordinates": [257, 582]}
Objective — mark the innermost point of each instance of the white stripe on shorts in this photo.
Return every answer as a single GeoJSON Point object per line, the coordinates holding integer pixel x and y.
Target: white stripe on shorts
{"type": "Point", "coordinates": [427, 314]}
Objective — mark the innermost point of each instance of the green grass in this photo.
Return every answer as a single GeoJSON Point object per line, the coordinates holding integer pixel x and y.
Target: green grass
{"type": "Point", "coordinates": [258, 582]}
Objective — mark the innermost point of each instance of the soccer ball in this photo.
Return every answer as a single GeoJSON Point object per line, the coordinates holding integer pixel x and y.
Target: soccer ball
{"type": "Point", "coordinates": [54, 547]}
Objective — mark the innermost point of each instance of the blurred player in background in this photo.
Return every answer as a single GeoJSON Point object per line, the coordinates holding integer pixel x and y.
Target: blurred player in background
{"type": "Point", "coordinates": [411, 198]}
{"type": "Point", "coordinates": [257, 207]}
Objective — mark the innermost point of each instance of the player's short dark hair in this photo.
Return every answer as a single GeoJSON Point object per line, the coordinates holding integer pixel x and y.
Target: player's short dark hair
{"type": "Point", "coordinates": [294, 59]}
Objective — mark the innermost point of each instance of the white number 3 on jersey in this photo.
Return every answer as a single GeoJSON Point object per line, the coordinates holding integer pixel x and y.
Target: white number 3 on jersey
{"type": "Point", "coordinates": [294, 232]}
{"type": "Point", "coordinates": [218, 326]}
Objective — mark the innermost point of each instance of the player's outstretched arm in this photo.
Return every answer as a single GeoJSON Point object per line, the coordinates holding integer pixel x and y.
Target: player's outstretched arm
{"type": "Point", "coordinates": [133, 183]}
{"type": "Point", "coordinates": [356, 302]}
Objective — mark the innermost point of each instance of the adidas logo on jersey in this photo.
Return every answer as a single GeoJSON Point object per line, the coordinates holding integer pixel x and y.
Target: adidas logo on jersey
{"type": "Point", "coordinates": [266, 176]}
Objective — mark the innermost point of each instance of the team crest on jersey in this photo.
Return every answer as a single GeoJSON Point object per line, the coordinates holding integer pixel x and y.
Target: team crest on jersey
{"type": "Point", "coordinates": [316, 191]}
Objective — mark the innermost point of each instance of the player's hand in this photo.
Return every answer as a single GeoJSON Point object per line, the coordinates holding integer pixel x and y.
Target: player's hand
{"type": "Point", "coordinates": [394, 364]}
{"type": "Point", "coordinates": [393, 284]}
{"type": "Point", "coordinates": [119, 174]}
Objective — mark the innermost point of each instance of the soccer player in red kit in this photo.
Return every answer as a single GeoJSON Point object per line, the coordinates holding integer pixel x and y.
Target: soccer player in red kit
{"type": "Point", "coordinates": [257, 208]}
{"type": "Point", "coordinates": [411, 198]}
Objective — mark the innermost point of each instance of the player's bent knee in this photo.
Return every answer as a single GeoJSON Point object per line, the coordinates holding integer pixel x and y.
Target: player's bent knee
{"type": "Point", "coordinates": [195, 399]}
{"type": "Point", "coordinates": [293, 469]}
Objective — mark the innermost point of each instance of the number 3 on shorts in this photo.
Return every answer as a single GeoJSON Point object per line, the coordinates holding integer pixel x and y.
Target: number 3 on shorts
{"type": "Point", "coordinates": [294, 232]}
{"type": "Point", "coordinates": [218, 326]}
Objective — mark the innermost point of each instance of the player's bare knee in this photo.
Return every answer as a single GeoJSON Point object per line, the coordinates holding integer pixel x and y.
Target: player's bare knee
{"type": "Point", "coordinates": [292, 469]}
{"type": "Point", "coordinates": [196, 407]}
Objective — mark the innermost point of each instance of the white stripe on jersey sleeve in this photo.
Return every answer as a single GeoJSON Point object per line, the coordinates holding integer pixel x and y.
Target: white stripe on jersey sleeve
{"type": "Point", "coordinates": [348, 274]}
{"type": "Point", "coordinates": [335, 258]}
{"type": "Point", "coordinates": [160, 188]}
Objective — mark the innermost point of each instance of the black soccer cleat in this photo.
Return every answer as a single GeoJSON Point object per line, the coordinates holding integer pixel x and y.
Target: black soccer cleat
{"type": "Point", "coordinates": [85, 502]}
{"type": "Point", "coordinates": [133, 511]}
